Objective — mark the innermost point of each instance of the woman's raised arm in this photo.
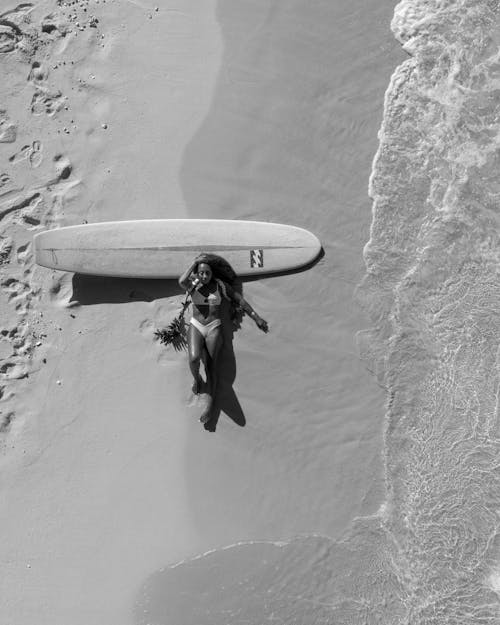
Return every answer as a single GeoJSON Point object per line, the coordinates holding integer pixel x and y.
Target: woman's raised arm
{"type": "Point", "coordinates": [184, 281]}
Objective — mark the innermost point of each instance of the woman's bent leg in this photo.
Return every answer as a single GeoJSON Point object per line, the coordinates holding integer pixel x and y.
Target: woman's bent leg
{"type": "Point", "coordinates": [196, 344]}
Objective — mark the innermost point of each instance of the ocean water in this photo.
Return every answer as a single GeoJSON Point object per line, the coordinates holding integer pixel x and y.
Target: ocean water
{"type": "Point", "coordinates": [430, 554]}
{"type": "Point", "coordinates": [432, 286]}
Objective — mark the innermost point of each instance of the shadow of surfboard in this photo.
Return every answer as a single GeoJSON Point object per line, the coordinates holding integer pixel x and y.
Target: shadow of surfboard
{"type": "Point", "coordinates": [90, 290]}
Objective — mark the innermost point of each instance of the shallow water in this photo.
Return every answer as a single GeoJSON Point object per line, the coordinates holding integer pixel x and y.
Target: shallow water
{"type": "Point", "coordinates": [430, 554]}
{"type": "Point", "coordinates": [290, 138]}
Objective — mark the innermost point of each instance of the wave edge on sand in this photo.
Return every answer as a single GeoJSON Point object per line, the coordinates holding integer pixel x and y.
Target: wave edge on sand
{"type": "Point", "coordinates": [432, 291]}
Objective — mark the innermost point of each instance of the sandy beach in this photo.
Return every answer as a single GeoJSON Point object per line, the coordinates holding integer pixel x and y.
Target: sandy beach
{"type": "Point", "coordinates": [117, 110]}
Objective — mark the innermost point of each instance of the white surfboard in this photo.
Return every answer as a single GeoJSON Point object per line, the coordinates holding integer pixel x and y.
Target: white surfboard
{"type": "Point", "coordinates": [163, 248]}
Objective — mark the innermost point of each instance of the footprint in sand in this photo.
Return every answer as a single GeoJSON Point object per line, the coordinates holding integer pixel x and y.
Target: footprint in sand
{"type": "Point", "coordinates": [23, 253]}
{"type": "Point", "coordinates": [15, 345]}
{"type": "Point", "coordinates": [32, 153]}
{"type": "Point", "coordinates": [55, 25]}
{"type": "Point", "coordinates": [10, 35]}
{"type": "Point", "coordinates": [12, 370]}
{"type": "Point", "coordinates": [19, 13]}
{"type": "Point", "coordinates": [33, 211]}
{"type": "Point", "coordinates": [16, 289]}
{"type": "Point", "coordinates": [4, 180]}
{"type": "Point", "coordinates": [48, 103]}
{"type": "Point", "coordinates": [8, 130]}
{"type": "Point", "coordinates": [43, 101]}
{"type": "Point", "coordinates": [5, 249]}
{"type": "Point", "coordinates": [21, 155]}
{"type": "Point", "coordinates": [2, 393]}
{"type": "Point", "coordinates": [61, 291]}
{"type": "Point", "coordinates": [16, 33]}
{"type": "Point", "coordinates": [6, 422]}
{"type": "Point", "coordinates": [38, 73]}
{"type": "Point", "coordinates": [13, 362]}
{"type": "Point", "coordinates": [36, 156]}
{"type": "Point", "coordinates": [17, 292]}
{"type": "Point", "coordinates": [6, 350]}
{"type": "Point", "coordinates": [5, 394]}
{"type": "Point", "coordinates": [30, 209]}
{"type": "Point", "coordinates": [63, 167]}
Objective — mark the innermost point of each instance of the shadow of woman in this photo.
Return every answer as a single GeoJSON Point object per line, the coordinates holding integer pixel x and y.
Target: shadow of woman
{"type": "Point", "coordinates": [225, 399]}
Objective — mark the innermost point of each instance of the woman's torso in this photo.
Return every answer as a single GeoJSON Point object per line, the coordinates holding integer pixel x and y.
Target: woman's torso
{"type": "Point", "coordinates": [207, 301]}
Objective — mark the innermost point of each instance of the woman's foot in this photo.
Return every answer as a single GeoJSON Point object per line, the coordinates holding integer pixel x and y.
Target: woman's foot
{"type": "Point", "coordinates": [207, 413]}
{"type": "Point", "coordinates": [197, 384]}
{"type": "Point", "coordinates": [205, 417]}
{"type": "Point", "coordinates": [208, 418]}
{"type": "Point", "coordinates": [210, 426]}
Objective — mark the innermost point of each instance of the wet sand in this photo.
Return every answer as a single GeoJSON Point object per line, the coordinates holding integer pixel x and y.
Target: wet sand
{"type": "Point", "coordinates": [290, 137]}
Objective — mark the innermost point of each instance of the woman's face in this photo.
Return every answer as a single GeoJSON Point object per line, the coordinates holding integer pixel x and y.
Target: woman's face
{"type": "Point", "coordinates": [204, 273]}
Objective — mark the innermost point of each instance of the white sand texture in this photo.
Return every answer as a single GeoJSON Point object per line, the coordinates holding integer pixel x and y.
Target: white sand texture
{"type": "Point", "coordinates": [127, 109]}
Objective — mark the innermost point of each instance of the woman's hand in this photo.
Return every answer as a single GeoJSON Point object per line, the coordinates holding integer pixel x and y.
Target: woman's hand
{"type": "Point", "coordinates": [189, 276]}
{"type": "Point", "coordinates": [260, 323]}
{"type": "Point", "coordinates": [196, 261]}
{"type": "Point", "coordinates": [195, 281]}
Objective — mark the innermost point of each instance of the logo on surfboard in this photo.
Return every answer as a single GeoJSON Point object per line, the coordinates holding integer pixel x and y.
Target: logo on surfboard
{"type": "Point", "coordinates": [256, 258]}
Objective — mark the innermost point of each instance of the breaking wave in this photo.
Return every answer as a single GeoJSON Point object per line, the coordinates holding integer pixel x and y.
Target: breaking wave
{"type": "Point", "coordinates": [432, 288]}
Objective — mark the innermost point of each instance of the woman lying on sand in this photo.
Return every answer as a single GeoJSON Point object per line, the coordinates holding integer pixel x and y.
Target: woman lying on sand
{"type": "Point", "coordinates": [204, 334]}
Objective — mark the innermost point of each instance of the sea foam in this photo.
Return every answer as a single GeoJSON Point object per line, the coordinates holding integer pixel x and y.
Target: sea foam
{"type": "Point", "coordinates": [433, 292]}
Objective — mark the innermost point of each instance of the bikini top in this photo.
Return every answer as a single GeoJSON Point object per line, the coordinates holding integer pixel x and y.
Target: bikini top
{"type": "Point", "coordinates": [212, 299]}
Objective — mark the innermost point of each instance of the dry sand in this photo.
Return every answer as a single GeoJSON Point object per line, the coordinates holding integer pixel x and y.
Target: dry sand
{"type": "Point", "coordinates": [118, 110]}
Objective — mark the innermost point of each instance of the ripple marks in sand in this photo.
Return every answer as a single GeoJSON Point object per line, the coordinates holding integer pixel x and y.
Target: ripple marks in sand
{"type": "Point", "coordinates": [433, 292]}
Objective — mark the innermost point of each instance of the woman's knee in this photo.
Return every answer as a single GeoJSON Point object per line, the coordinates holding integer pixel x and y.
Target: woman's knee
{"type": "Point", "coordinates": [194, 358]}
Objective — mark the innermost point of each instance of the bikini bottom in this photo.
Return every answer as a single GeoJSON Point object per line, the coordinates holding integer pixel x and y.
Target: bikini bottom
{"type": "Point", "coordinates": [205, 330]}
